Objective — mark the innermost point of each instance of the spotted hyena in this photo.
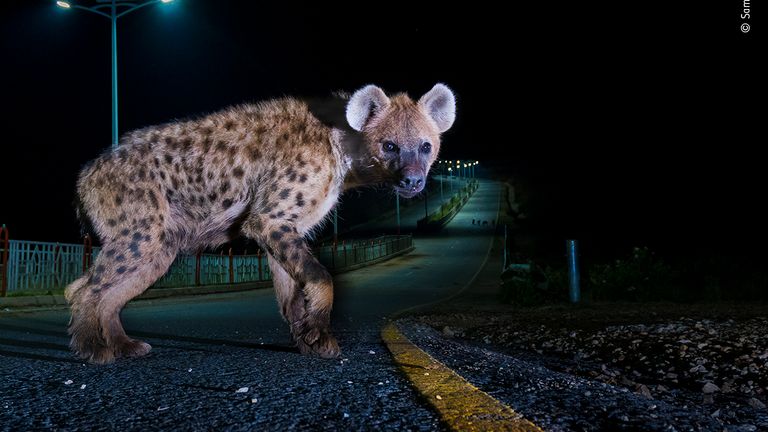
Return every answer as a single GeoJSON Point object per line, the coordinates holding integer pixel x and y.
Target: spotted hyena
{"type": "Point", "coordinates": [271, 171]}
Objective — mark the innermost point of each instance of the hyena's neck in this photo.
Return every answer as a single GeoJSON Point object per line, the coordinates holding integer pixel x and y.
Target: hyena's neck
{"type": "Point", "coordinates": [359, 162]}
{"type": "Point", "coordinates": [330, 112]}
{"type": "Point", "coordinates": [344, 163]}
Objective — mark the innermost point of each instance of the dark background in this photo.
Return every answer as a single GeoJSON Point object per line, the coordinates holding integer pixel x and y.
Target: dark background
{"type": "Point", "coordinates": [623, 125]}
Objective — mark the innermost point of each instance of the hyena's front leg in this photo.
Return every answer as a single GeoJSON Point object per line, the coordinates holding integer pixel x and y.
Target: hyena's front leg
{"type": "Point", "coordinates": [303, 286]}
{"type": "Point", "coordinates": [289, 295]}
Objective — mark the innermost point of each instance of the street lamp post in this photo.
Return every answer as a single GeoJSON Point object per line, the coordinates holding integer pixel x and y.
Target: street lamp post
{"type": "Point", "coordinates": [397, 211]}
{"type": "Point", "coordinates": [450, 178]}
{"type": "Point", "coordinates": [441, 189]}
{"type": "Point", "coordinates": [111, 9]}
{"type": "Point", "coordinates": [335, 225]}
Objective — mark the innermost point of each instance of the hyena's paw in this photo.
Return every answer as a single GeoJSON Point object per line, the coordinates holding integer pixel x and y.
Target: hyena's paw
{"type": "Point", "coordinates": [313, 338]}
{"type": "Point", "coordinates": [319, 342]}
{"type": "Point", "coordinates": [131, 348]}
{"type": "Point", "coordinates": [93, 353]}
{"type": "Point", "coordinates": [99, 353]}
{"type": "Point", "coordinates": [87, 342]}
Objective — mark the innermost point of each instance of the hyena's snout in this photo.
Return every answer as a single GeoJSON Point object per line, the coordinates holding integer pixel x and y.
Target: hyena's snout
{"type": "Point", "coordinates": [411, 182]}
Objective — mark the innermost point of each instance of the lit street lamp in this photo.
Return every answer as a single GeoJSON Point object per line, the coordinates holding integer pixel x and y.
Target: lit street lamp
{"type": "Point", "coordinates": [111, 9]}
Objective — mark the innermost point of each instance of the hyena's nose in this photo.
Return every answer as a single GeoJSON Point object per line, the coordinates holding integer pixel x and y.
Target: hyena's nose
{"type": "Point", "coordinates": [412, 182]}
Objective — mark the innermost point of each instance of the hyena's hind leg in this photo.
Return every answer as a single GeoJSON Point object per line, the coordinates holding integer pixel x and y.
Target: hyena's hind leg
{"type": "Point", "coordinates": [124, 269]}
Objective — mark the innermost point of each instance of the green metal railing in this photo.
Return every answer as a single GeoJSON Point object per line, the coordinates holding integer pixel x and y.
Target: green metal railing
{"type": "Point", "coordinates": [448, 209]}
{"type": "Point", "coordinates": [32, 267]}
{"type": "Point", "coordinates": [352, 253]}
{"type": "Point", "coordinates": [40, 266]}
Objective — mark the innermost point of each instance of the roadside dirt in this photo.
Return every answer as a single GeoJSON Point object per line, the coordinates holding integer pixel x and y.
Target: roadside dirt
{"type": "Point", "coordinates": [713, 356]}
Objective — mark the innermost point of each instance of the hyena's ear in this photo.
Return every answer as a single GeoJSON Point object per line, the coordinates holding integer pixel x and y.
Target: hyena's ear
{"type": "Point", "coordinates": [366, 102]}
{"type": "Point", "coordinates": [440, 104]}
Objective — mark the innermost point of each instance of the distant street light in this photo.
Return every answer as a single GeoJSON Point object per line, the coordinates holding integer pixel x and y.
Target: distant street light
{"type": "Point", "coordinates": [397, 211]}
{"type": "Point", "coordinates": [441, 188]}
{"type": "Point", "coordinates": [109, 9]}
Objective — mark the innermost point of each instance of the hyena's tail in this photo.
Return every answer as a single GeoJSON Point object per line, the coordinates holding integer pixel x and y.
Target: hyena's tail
{"type": "Point", "coordinates": [71, 290]}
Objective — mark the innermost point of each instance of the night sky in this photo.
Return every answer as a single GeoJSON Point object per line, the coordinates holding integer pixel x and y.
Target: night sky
{"type": "Point", "coordinates": [628, 125]}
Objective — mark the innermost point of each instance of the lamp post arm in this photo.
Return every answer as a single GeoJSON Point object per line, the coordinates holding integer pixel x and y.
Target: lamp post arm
{"type": "Point", "coordinates": [134, 6]}
{"type": "Point", "coordinates": [92, 10]}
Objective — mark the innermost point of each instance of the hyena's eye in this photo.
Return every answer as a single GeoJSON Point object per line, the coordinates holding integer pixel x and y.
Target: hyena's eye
{"type": "Point", "coordinates": [390, 147]}
{"type": "Point", "coordinates": [426, 147]}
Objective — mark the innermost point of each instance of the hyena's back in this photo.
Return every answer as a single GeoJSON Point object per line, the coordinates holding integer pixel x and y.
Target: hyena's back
{"type": "Point", "coordinates": [185, 183]}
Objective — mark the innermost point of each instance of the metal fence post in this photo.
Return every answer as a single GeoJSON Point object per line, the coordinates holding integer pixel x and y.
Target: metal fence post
{"type": "Point", "coordinates": [397, 212]}
{"type": "Point", "coordinates": [335, 225]}
{"type": "Point", "coordinates": [198, 258]}
{"type": "Point", "coordinates": [573, 270]}
{"type": "Point", "coordinates": [261, 271]}
{"type": "Point", "coordinates": [4, 260]}
{"type": "Point", "coordinates": [56, 263]}
{"type": "Point", "coordinates": [86, 252]}
{"type": "Point", "coordinates": [231, 267]}
{"type": "Point", "coordinates": [504, 264]}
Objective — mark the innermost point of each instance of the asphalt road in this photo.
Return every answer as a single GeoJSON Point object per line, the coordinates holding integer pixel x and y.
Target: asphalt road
{"type": "Point", "coordinates": [226, 361]}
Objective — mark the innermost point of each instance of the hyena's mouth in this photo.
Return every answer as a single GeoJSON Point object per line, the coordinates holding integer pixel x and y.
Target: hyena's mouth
{"type": "Point", "coordinates": [406, 192]}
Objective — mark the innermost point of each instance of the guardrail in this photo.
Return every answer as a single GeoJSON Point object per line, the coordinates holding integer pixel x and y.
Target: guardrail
{"type": "Point", "coordinates": [437, 219]}
{"type": "Point", "coordinates": [349, 254]}
{"type": "Point", "coordinates": [31, 267]}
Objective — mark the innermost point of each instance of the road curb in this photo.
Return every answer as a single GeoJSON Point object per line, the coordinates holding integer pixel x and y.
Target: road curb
{"type": "Point", "coordinates": [58, 300]}
{"type": "Point", "coordinates": [462, 406]}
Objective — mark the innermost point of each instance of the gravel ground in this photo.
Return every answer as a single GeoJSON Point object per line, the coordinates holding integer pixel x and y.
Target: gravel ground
{"type": "Point", "coordinates": [710, 359]}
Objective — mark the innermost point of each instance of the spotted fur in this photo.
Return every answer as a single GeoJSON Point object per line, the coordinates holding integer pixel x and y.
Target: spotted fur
{"type": "Point", "coordinates": [270, 171]}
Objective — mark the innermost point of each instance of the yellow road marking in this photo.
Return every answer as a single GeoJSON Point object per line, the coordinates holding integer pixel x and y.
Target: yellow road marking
{"type": "Point", "coordinates": [462, 406]}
